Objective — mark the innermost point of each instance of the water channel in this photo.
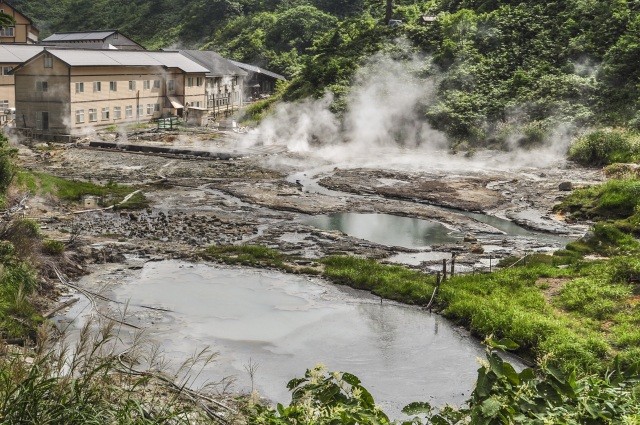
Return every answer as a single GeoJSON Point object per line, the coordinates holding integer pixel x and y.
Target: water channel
{"type": "Point", "coordinates": [288, 323]}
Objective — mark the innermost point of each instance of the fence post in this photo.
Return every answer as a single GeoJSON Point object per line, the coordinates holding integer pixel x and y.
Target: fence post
{"type": "Point", "coordinates": [453, 264]}
{"type": "Point", "coordinates": [444, 269]}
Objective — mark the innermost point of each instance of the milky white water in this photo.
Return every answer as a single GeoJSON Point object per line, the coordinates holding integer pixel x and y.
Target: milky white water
{"type": "Point", "coordinates": [287, 323]}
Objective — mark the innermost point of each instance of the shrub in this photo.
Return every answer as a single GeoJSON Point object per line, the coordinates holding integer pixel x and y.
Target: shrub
{"type": "Point", "coordinates": [52, 247]}
{"type": "Point", "coordinates": [603, 147]}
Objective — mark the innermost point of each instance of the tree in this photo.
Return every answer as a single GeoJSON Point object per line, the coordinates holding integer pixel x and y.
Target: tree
{"type": "Point", "coordinates": [6, 20]}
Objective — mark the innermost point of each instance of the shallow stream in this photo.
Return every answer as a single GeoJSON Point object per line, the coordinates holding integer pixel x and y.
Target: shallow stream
{"type": "Point", "coordinates": [286, 324]}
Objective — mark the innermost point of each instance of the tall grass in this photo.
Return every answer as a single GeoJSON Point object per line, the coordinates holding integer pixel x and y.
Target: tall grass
{"type": "Point", "coordinates": [607, 146]}
{"type": "Point", "coordinates": [89, 383]}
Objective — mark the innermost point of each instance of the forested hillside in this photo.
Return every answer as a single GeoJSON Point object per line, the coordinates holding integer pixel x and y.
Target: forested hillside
{"type": "Point", "coordinates": [498, 64]}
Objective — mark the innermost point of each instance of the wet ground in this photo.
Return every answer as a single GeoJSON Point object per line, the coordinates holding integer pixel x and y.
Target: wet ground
{"type": "Point", "coordinates": [311, 206]}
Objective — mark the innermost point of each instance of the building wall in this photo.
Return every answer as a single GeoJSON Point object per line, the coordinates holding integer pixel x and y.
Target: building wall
{"type": "Point", "coordinates": [24, 32]}
{"type": "Point", "coordinates": [87, 106]}
{"type": "Point", "coordinates": [32, 100]}
{"type": "Point", "coordinates": [7, 89]}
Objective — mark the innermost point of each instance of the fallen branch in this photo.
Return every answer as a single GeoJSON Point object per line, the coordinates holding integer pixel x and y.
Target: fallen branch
{"type": "Point", "coordinates": [59, 307]}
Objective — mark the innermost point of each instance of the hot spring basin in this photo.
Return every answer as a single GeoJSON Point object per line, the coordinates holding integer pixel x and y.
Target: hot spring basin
{"type": "Point", "coordinates": [286, 324]}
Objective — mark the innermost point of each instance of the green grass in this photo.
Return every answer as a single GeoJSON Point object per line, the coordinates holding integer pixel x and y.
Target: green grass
{"type": "Point", "coordinates": [75, 190]}
{"type": "Point", "coordinates": [246, 255]}
{"type": "Point", "coordinates": [392, 282]}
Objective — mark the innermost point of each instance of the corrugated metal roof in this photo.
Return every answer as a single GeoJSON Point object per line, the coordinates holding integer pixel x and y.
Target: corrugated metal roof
{"type": "Point", "coordinates": [79, 36]}
{"type": "Point", "coordinates": [12, 53]}
{"type": "Point", "coordinates": [79, 57]}
{"type": "Point", "coordinates": [258, 70]}
{"type": "Point", "coordinates": [216, 64]}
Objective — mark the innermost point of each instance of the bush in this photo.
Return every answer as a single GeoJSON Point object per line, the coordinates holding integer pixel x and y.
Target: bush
{"type": "Point", "coordinates": [52, 247]}
{"type": "Point", "coordinates": [603, 147]}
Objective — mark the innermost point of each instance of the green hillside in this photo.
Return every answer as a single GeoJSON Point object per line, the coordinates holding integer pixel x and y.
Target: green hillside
{"type": "Point", "coordinates": [502, 67]}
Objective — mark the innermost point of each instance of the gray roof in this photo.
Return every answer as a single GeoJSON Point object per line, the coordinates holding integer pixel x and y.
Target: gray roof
{"type": "Point", "coordinates": [216, 64]}
{"type": "Point", "coordinates": [15, 53]}
{"type": "Point", "coordinates": [257, 70]}
{"type": "Point", "coordinates": [79, 57]}
{"type": "Point", "coordinates": [79, 36]}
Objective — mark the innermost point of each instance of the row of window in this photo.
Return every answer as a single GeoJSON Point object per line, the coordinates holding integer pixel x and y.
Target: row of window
{"type": "Point", "coordinates": [117, 113]}
{"type": "Point", "coordinates": [113, 85]}
{"type": "Point", "coordinates": [198, 80]}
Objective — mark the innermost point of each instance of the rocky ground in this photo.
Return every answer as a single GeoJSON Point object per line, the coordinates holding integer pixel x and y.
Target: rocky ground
{"type": "Point", "coordinates": [264, 194]}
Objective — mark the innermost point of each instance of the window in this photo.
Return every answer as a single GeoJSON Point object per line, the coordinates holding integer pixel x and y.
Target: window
{"type": "Point", "coordinates": [79, 116]}
{"type": "Point", "coordinates": [79, 87]}
{"type": "Point", "coordinates": [157, 107]}
{"type": "Point", "coordinates": [190, 82]}
{"type": "Point", "coordinates": [171, 85]}
{"type": "Point", "coordinates": [7, 32]}
{"type": "Point", "coordinates": [4, 105]}
{"type": "Point", "coordinates": [140, 110]}
{"type": "Point", "coordinates": [146, 85]}
{"type": "Point", "coordinates": [117, 112]}
{"type": "Point", "coordinates": [97, 86]}
{"type": "Point", "coordinates": [149, 109]}
{"type": "Point", "coordinates": [132, 85]}
{"type": "Point", "coordinates": [48, 61]}
{"type": "Point", "coordinates": [199, 81]}
{"type": "Point", "coordinates": [113, 85]}
{"type": "Point", "coordinates": [6, 70]}
{"type": "Point", "coordinates": [42, 86]}
{"type": "Point", "coordinates": [128, 111]}
{"type": "Point", "coordinates": [105, 114]}
{"type": "Point", "coordinates": [115, 36]}
{"type": "Point", "coordinates": [156, 84]}
{"type": "Point", "coordinates": [93, 115]}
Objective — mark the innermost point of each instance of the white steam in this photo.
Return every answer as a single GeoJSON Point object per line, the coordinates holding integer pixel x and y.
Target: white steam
{"type": "Point", "coordinates": [384, 110]}
{"type": "Point", "coordinates": [384, 125]}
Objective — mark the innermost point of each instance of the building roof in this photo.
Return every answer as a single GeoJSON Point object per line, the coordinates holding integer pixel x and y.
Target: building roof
{"type": "Point", "coordinates": [257, 70]}
{"type": "Point", "coordinates": [18, 53]}
{"type": "Point", "coordinates": [90, 57]}
{"type": "Point", "coordinates": [216, 64]}
{"type": "Point", "coordinates": [80, 36]}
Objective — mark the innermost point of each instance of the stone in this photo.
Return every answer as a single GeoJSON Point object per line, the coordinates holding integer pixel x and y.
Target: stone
{"type": "Point", "coordinates": [470, 238]}
{"type": "Point", "coordinates": [477, 249]}
{"type": "Point", "coordinates": [565, 187]}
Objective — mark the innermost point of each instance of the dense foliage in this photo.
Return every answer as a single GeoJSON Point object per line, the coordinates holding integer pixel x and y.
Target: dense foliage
{"type": "Point", "coordinates": [507, 72]}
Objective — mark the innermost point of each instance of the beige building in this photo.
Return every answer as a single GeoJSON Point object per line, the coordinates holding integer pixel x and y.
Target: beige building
{"type": "Point", "coordinates": [23, 32]}
{"type": "Point", "coordinates": [67, 91]}
{"type": "Point", "coordinates": [12, 55]}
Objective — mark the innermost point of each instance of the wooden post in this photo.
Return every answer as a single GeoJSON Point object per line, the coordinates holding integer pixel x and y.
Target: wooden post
{"type": "Point", "coordinates": [444, 269]}
{"type": "Point", "coordinates": [453, 265]}
{"type": "Point", "coordinates": [490, 261]}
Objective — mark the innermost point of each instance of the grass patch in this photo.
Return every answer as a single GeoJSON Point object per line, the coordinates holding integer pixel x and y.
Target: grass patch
{"type": "Point", "coordinates": [392, 282]}
{"type": "Point", "coordinates": [614, 199]}
{"type": "Point", "coordinates": [75, 190]}
{"type": "Point", "coordinates": [247, 255]}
